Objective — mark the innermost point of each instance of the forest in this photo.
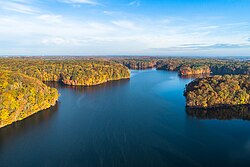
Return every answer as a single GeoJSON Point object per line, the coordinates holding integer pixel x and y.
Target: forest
{"type": "Point", "coordinates": [188, 66]}
{"type": "Point", "coordinates": [216, 91]}
{"type": "Point", "coordinates": [22, 96]}
{"type": "Point", "coordinates": [23, 91]}
{"type": "Point", "coordinates": [137, 63]}
{"type": "Point", "coordinates": [69, 72]}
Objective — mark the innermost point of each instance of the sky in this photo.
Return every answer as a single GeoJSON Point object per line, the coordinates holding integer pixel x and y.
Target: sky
{"type": "Point", "coordinates": [125, 27]}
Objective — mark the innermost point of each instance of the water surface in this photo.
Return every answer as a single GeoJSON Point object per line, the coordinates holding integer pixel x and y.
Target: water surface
{"type": "Point", "coordinates": [136, 122]}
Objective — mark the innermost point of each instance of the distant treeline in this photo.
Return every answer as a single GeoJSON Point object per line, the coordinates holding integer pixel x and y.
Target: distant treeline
{"type": "Point", "coordinates": [188, 66]}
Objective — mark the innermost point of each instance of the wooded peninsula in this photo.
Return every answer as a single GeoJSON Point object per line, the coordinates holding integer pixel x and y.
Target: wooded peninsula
{"type": "Point", "coordinates": [23, 93]}
{"type": "Point", "coordinates": [70, 72]}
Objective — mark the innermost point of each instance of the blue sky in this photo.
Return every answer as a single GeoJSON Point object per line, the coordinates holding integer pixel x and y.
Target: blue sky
{"type": "Point", "coordinates": [125, 27]}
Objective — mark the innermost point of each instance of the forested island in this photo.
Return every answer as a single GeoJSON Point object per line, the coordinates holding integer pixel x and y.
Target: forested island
{"type": "Point", "coordinates": [216, 91]}
{"type": "Point", "coordinates": [22, 96]}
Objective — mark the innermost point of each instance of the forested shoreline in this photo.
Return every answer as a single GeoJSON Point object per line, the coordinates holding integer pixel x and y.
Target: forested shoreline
{"type": "Point", "coordinates": [216, 91]}
{"type": "Point", "coordinates": [69, 72]}
{"type": "Point", "coordinates": [188, 66]}
{"type": "Point", "coordinates": [22, 96]}
{"type": "Point", "coordinates": [23, 93]}
{"type": "Point", "coordinates": [224, 90]}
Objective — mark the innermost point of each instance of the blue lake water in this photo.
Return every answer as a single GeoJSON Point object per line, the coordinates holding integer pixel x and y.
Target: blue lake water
{"type": "Point", "coordinates": [130, 123]}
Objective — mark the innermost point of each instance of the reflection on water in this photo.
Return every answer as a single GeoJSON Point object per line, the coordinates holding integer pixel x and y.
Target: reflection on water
{"type": "Point", "coordinates": [221, 113]}
{"type": "Point", "coordinates": [35, 120]}
{"type": "Point", "coordinates": [194, 76]}
{"type": "Point", "coordinates": [88, 89]}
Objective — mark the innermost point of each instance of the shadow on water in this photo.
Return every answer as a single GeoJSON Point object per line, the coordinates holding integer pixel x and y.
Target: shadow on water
{"type": "Point", "coordinates": [89, 89]}
{"type": "Point", "coordinates": [35, 120]}
{"type": "Point", "coordinates": [221, 113]}
{"type": "Point", "coordinates": [194, 76]}
{"type": "Point", "coordinates": [45, 116]}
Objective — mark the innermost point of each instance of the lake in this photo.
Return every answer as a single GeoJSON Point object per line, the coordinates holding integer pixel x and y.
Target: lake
{"type": "Point", "coordinates": [129, 123]}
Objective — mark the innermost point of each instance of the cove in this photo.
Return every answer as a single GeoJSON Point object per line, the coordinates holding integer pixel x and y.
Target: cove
{"type": "Point", "coordinates": [138, 122]}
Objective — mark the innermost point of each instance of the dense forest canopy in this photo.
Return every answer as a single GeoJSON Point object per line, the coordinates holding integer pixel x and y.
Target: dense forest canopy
{"type": "Point", "coordinates": [218, 91]}
{"type": "Point", "coordinates": [188, 66]}
{"type": "Point", "coordinates": [69, 72]}
{"type": "Point", "coordinates": [22, 96]}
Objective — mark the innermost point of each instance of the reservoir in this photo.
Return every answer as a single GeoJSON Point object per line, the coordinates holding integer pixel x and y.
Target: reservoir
{"type": "Point", "coordinates": [129, 123]}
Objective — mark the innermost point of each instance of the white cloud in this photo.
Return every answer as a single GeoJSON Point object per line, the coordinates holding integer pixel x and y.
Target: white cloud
{"type": "Point", "coordinates": [54, 40]}
{"type": "Point", "coordinates": [135, 3]}
{"type": "Point", "coordinates": [50, 18]}
{"type": "Point", "coordinates": [108, 12]}
{"type": "Point", "coordinates": [57, 33]}
{"type": "Point", "coordinates": [126, 24]}
{"type": "Point", "coordinates": [19, 6]}
{"type": "Point", "coordinates": [51, 29]}
{"type": "Point", "coordinates": [90, 2]}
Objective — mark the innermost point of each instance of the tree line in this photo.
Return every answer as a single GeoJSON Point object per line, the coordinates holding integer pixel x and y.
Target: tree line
{"type": "Point", "coordinates": [69, 72]}
{"type": "Point", "coordinates": [188, 66]}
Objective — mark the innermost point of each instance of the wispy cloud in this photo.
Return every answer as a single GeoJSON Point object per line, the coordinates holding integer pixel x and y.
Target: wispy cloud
{"type": "Point", "coordinates": [113, 30]}
{"type": "Point", "coordinates": [135, 3]}
{"type": "Point", "coordinates": [50, 18]}
{"type": "Point", "coordinates": [110, 13]}
{"type": "Point", "coordinates": [202, 47]}
{"type": "Point", "coordinates": [106, 12]}
{"type": "Point", "coordinates": [90, 2]}
{"type": "Point", "coordinates": [126, 24]}
{"type": "Point", "coordinates": [227, 46]}
{"type": "Point", "coordinates": [54, 40]}
{"type": "Point", "coordinates": [209, 27]}
{"type": "Point", "coordinates": [19, 6]}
